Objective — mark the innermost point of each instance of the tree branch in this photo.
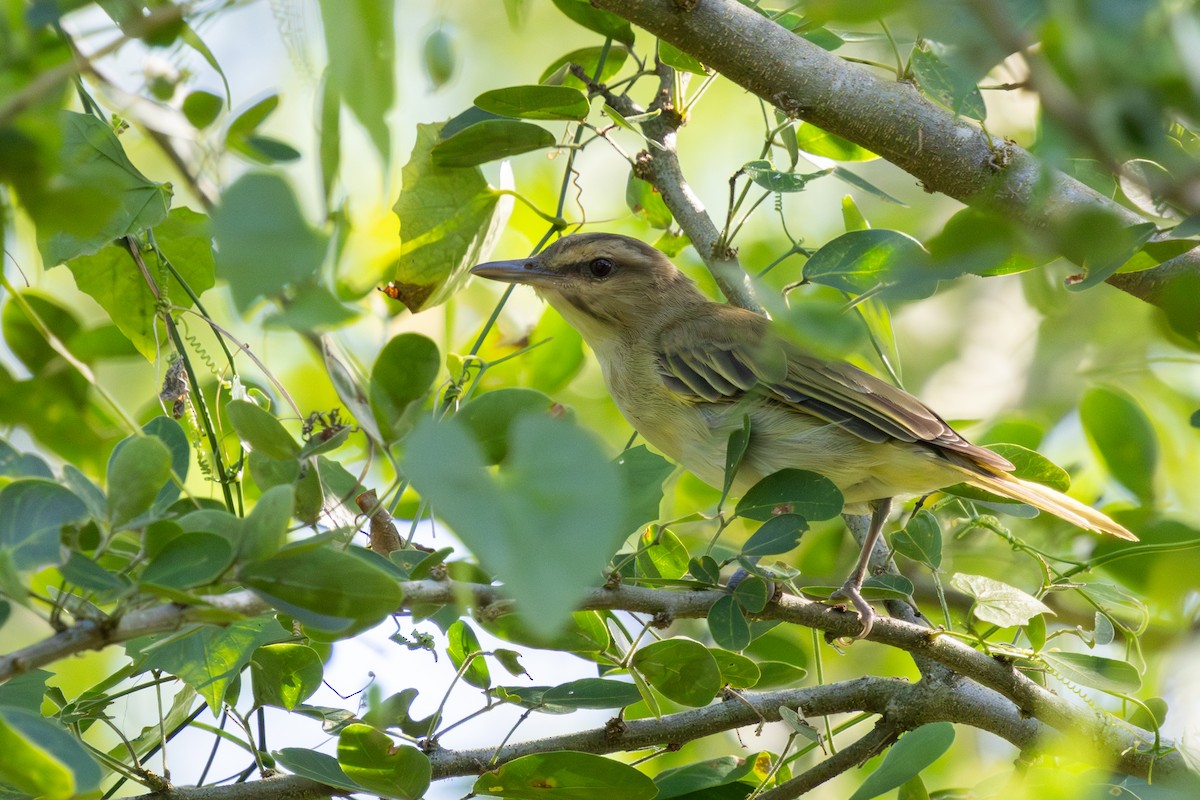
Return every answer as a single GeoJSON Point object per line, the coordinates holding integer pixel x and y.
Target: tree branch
{"type": "Point", "coordinates": [659, 165]}
{"type": "Point", "coordinates": [881, 737]}
{"type": "Point", "coordinates": [905, 706]}
{"type": "Point", "coordinates": [94, 635]}
{"type": "Point", "coordinates": [279, 787]}
{"type": "Point", "coordinates": [947, 154]}
{"type": "Point", "coordinates": [1125, 745]}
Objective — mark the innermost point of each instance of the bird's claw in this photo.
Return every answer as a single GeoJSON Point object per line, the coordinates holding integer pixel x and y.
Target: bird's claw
{"type": "Point", "coordinates": [866, 615]}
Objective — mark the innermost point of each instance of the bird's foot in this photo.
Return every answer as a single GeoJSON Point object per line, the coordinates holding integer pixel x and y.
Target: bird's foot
{"type": "Point", "coordinates": [852, 591]}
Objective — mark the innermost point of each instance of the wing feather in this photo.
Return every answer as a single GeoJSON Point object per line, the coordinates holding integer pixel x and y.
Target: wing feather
{"type": "Point", "coordinates": [725, 353]}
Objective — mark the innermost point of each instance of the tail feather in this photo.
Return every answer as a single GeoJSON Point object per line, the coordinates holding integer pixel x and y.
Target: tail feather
{"type": "Point", "coordinates": [1050, 501]}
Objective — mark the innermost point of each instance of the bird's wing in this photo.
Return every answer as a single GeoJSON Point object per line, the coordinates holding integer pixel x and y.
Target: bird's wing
{"type": "Point", "coordinates": [724, 353]}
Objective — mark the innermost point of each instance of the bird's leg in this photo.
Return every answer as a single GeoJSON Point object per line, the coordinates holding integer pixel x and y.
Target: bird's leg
{"type": "Point", "coordinates": [852, 589]}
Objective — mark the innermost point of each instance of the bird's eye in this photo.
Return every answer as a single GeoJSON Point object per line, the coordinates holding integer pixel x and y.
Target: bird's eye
{"type": "Point", "coordinates": [601, 267]}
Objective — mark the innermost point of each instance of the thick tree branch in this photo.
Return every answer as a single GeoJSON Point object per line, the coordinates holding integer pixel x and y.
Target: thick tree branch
{"type": "Point", "coordinates": [947, 154]}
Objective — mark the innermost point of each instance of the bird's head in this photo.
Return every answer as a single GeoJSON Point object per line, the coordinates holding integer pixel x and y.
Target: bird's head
{"type": "Point", "coordinates": [604, 284]}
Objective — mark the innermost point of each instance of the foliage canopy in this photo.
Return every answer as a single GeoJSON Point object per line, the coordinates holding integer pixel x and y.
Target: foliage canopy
{"type": "Point", "coordinates": [223, 448]}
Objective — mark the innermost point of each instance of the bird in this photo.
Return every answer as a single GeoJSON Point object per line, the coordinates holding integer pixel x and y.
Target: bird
{"type": "Point", "coordinates": [685, 371]}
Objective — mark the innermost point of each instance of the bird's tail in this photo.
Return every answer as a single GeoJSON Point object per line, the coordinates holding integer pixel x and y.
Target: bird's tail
{"type": "Point", "coordinates": [1050, 501]}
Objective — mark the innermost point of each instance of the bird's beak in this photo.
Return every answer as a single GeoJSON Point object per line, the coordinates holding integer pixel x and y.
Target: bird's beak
{"type": "Point", "coordinates": [523, 270]}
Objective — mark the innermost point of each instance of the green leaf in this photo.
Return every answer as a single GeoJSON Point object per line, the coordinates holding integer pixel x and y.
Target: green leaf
{"type": "Point", "coordinates": [592, 693]}
{"type": "Point", "coordinates": [360, 42]}
{"type": "Point", "coordinates": [1096, 672]}
{"type": "Point", "coordinates": [247, 122]}
{"type": "Point", "coordinates": [438, 57]}
{"type": "Point", "coordinates": [1101, 240]}
{"type": "Point", "coordinates": [24, 690]}
{"type": "Point", "coordinates": [168, 431]}
{"type": "Point", "coordinates": [777, 535]}
{"type": "Point", "coordinates": [799, 724]}
{"type": "Point", "coordinates": [402, 374]}
{"type": "Point", "coordinates": [461, 644]}
{"type": "Point", "coordinates": [823, 38]}
{"type": "Point", "coordinates": [396, 712]}
{"type": "Point", "coordinates": [672, 56]}
{"type": "Point", "coordinates": [263, 241]}
{"type": "Point", "coordinates": [189, 560]}
{"type": "Point", "coordinates": [771, 179]}
{"type": "Point", "coordinates": [33, 513]}
{"type": "Point", "coordinates": [1121, 434]}
{"type": "Point", "coordinates": [998, 603]}
{"type": "Point", "coordinates": [777, 674]}
{"type": "Point", "coordinates": [1035, 630]}
{"type": "Point", "coordinates": [736, 670]}
{"type": "Point", "coordinates": [735, 451]}
{"type": "Point", "coordinates": [327, 590]}
{"type": "Point", "coordinates": [915, 751]}
{"type": "Point", "coordinates": [26, 341]}
{"type": "Point", "coordinates": [642, 473]}
{"type": "Point", "coordinates": [329, 145]}
{"type": "Point", "coordinates": [705, 569]}
{"type": "Point", "coordinates": [791, 491]}
{"type": "Point", "coordinates": [264, 530]}
{"type": "Point", "coordinates": [315, 766]}
{"type": "Point", "coordinates": [372, 760]}
{"type": "Point", "coordinates": [646, 203]}
{"type": "Point", "coordinates": [947, 85]}
{"type": "Point", "coordinates": [285, 675]}
{"type": "Point", "coordinates": [662, 555]}
{"type": "Point", "coordinates": [112, 278]}
{"type": "Point", "coordinates": [260, 430]}
{"type": "Point", "coordinates": [728, 625]}
{"type": "Point", "coordinates": [817, 142]}
{"type": "Point", "coordinates": [859, 261]}
{"type": "Point", "coordinates": [311, 307]}
{"type": "Point", "coordinates": [974, 241]}
{"type": "Point", "coordinates": [556, 479]}
{"type": "Point", "coordinates": [490, 140]}
{"type": "Point", "coordinates": [584, 632]}
{"type": "Point", "coordinates": [692, 779]}
{"type": "Point", "coordinates": [535, 102]}
{"type": "Point", "coordinates": [683, 670]}
{"type": "Point", "coordinates": [210, 658]}
{"type": "Point", "coordinates": [264, 149]}
{"type": "Point", "coordinates": [589, 59]}
{"type": "Point", "coordinates": [115, 199]}
{"type": "Point", "coordinates": [490, 416]}
{"type": "Point", "coordinates": [139, 467]}
{"type": "Point", "coordinates": [15, 464]}
{"type": "Point", "coordinates": [42, 759]}
{"type": "Point", "coordinates": [202, 108]}
{"type": "Point", "coordinates": [565, 775]}
{"type": "Point", "coordinates": [846, 176]}
{"type": "Point", "coordinates": [753, 593]}
{"type": "Point", "coordinates": [550, 367]}
{"type": "Point", "coordinates": [594, 19]}
{"type": "Point", "coordinates": [921, 540]}
{"type": "Point", "coordinates": [446, 214]}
